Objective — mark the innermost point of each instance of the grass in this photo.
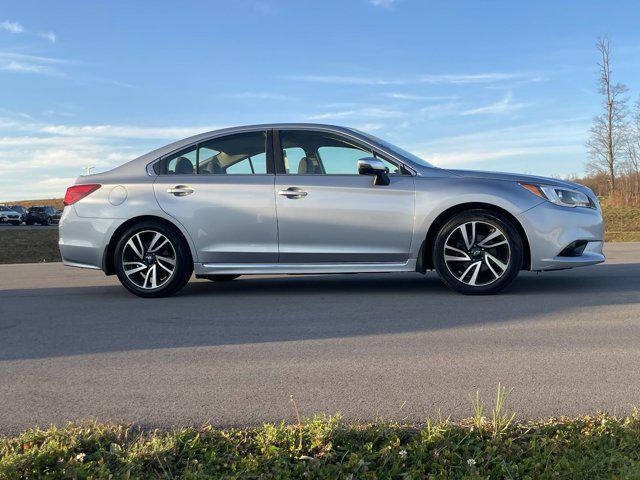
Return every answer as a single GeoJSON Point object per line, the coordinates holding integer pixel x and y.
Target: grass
{"type": "Point", "coordinates": [28, 245]}
{"type": "Point", "coordinates": [588, 447]}
{"type": "Point", "coordinates": [622, 224]}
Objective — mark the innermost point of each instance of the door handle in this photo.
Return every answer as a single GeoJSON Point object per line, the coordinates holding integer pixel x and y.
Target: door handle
{"type": "Point", "coordinates": [293, 192]}
{"type": "Point", "coordinates": [180, 190]}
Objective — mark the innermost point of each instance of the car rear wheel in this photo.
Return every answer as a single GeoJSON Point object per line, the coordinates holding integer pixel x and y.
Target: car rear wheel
{"type": "Point", "coordinates": [478, 252]}
{"type": "Point", "coordinates": [152, 260]}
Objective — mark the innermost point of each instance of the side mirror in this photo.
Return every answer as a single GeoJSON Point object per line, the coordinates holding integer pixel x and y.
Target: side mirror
{"type": "Point", "coordinates": [375, 167]}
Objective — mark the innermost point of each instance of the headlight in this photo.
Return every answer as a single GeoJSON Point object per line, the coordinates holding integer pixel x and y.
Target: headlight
{"type": "Point", "coordinates": [560, 196]}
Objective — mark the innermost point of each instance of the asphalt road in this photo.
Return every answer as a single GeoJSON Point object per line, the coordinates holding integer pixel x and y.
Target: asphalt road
{"type": "Point", "coordinates": [75, 345]}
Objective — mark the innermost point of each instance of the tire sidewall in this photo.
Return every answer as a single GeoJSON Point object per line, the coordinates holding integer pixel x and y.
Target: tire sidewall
{"type": "Point", "coordinates": [495, 219]}
{"type": "Point", "coordinates": [184, 264]}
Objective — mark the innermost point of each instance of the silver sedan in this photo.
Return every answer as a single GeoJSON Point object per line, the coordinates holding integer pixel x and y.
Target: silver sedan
{"type": "Point", "coordinates": [306, 198]}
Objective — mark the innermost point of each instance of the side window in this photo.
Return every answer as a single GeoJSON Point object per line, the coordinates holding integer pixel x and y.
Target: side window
{"type": "Point", "coordinates": [317, 153]}
{"type": "Point", "coordinates": [292, 157]}
{"type": "Point", "coordinates": [182, 163]}
{"type": "Point", "coordinates": [241, 154]}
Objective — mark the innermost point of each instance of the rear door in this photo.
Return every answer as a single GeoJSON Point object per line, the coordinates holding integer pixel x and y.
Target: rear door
{"type": "Point", "coordinates": [327, 212]}
{"type": "Point", "coordinates": [222, 191]}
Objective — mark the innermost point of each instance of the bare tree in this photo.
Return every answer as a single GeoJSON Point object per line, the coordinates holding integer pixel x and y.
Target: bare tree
{"type": "Point", "coordinates": [633, 150]}
{"type": "Point", "coordinates": [607, 135]}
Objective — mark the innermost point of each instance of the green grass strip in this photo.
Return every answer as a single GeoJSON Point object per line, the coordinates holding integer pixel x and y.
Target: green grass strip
{"type": "Point", "coordinates": [594, 447]}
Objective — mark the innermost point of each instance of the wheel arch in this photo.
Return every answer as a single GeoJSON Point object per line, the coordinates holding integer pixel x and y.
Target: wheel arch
{"type": "Point", "coordinates": [425, 259]}
{"type": "Point", "coordinates": [109, 252]}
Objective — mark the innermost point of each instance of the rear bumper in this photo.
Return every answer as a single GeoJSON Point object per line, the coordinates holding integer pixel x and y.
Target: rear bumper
{"type": "Point", "coordinates": [83, 240]}
{"type": "Point", "coordinates": [551, 228]}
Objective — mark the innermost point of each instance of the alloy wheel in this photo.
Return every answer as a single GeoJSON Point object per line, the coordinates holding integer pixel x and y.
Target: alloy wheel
{"type": "Point", "coordinates": [149, 259]}
{"type": "Point", "coordinates": [477, 253]}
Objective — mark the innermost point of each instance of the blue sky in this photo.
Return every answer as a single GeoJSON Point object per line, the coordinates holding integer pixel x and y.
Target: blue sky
{"type": "Point", "coordinates": [497, 85]}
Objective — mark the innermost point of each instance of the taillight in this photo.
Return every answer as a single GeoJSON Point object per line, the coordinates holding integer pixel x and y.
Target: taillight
{"type": "Point", "coordinates": [78, 192]}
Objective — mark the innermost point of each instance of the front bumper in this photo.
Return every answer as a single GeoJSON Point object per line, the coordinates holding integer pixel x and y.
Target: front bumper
{"type": "Point", "coordinates": [551, 228]}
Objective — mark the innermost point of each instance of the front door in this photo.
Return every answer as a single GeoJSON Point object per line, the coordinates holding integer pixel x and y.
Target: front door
{"type": "Point", "coordinates": [327, 212]}
{"type": "Point", "coordinates": [222, 191]}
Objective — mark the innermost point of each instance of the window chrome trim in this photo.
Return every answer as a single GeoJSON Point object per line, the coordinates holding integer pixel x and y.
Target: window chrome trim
{"type": "Point", "coordinates": [319, 128]}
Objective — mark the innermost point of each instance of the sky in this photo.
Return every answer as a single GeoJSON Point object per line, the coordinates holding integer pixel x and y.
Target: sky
{"type": "Point", "coordinates": [487, 85]}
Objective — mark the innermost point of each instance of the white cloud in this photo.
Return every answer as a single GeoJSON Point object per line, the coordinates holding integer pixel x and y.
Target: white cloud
{"type": "Point", "coordinates": [11, 27]}
{"type": "Point", "coordinates": [369, 112]}
{"type": "Point", "coordinates": [546, 139]}
{"type": "Point", "coordinates": [409, 96]}
{"type": "Point", "coordinates": [383, 3]}
{"type": "Point", "coordinates": [451, 79]}
{"type": "Point", "coordinates": [124, 131]}
{"type": "Point", "coordinates": [41, 159]}
{"type": "Point", "coordinates": [50, 36]}
{"type": "Point", "coordinates": [470, 78]}
{"type": "Point", "coordinates": [502, 106]}
{"type": "Point", "coordinates": [21, 63]}
{"type": "Point", "coordinates": [260, 96]}
{"type": "Point", "coordinates": [345, 80]}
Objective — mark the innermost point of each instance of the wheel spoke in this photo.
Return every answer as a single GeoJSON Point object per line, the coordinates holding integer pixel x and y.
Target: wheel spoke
{"type": "Point", "coordinates": [168, 270]}
{"type": "Point", "coordinates": [488, 238]}
{"type": "Point", "coordinates": [156, 237]}
{"type": "Point", "coordinates": [503, 266]}
{"type": "Point", "coordinates": [468, 241]}
{"type": "Point", "coordinates": [146, 279]}
{"type": "Point", "coordinates": [461, 257]}
{"type": "Point", "coordinates": [166, 259]}
{"type": "Point", "coordinates": [158, 247]}
{"type": "Point", "coordinates": [153, 276]}
{"type": "Point", "coordinates": [137, 250]}
{"type": "Point", "coordinates": [488, 264]}
{"type": "Point", "coordinates": [141, 266]}
{"type": "Point", "coordinates": [475, 266]}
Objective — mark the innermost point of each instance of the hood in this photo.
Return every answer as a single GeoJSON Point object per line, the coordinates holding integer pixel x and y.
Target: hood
{"type": "Point", "coordinates": [514, 177]}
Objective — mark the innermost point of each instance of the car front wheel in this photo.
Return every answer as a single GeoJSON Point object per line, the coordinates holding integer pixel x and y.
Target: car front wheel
{"type": "Point", "coordinates": [478, 252]}
{"type": "Point", "coordinates": [152, 260]}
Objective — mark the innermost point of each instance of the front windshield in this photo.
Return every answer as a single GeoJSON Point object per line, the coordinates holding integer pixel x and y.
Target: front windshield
{"type": "Point", "coordinates": [401, 151]}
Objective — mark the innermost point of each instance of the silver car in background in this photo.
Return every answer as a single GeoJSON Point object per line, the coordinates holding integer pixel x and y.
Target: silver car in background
{"type": "Point", "coordinates": [306, 198]}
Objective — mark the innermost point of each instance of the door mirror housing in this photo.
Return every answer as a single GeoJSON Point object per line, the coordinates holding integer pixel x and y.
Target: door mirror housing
{"type": "Point", "coordinates": [374, 166]}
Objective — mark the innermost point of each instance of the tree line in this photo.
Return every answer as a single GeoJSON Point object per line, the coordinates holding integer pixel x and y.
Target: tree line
{"type": "Point", "coordinates": [614, 138]}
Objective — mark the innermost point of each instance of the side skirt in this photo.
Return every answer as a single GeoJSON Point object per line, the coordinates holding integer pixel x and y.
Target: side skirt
{"type": "Point", "coordinates": [302, 268]}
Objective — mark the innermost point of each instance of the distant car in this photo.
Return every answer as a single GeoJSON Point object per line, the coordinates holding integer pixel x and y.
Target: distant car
{"type": "Point", "coordinates": [21, 210]}
{"type": "Point", "coordinates": [42, 214]}
{"type": "Point", "coordinates": [9, 216]}
{"type": "Point", "coordinates": [301, 198]}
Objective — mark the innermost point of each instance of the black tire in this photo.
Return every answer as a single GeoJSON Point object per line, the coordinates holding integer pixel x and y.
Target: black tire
{"type": "Point", "coordinates": [487, 269]}
{"type": "Point", "coordinates": [221, 278]}
{"type": "Point", "coordinates": [47, 221]}
{"type": "Point", "coordinates": [183, 263]}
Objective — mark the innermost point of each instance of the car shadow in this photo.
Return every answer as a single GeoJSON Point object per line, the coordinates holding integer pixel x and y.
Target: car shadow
{"type": "Point", "coordinates": [53, 322]}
